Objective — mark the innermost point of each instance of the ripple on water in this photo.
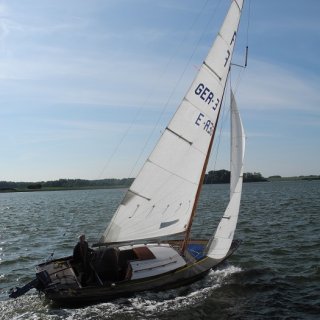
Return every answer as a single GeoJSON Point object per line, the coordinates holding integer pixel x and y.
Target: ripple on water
{"type": "Point", "coordinates": [141, 306]}
{"type": "Point", "coordinates": [279, 256]}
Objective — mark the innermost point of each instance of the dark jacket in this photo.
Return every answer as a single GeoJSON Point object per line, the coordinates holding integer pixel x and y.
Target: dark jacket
{"type": "Point", "coordinates": [81, 253]}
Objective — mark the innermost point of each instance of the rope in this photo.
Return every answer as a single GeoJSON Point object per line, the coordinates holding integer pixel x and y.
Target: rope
{"type": "Point", "coordinates": [50, 257]}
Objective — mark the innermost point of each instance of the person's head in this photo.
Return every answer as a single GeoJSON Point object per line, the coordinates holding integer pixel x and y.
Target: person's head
{"type": "Point", "coordinates": [82, 238]}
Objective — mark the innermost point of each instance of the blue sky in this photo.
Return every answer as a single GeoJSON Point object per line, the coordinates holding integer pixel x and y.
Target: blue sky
{"type": "Point", "coordinates": [86, 87]}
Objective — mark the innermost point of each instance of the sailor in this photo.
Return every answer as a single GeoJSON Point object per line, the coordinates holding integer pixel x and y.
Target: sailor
{"type": "Point", "coordinates": [81, 257]}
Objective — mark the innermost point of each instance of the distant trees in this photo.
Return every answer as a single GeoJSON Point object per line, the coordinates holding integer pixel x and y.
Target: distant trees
{"type": "Point", "coordinates": [253, 177]}
{"type": "Point", "coordinates": [34, 186]}
{"type": "Point", "coordinates": [7, 185]}
{"type": "Point", "coordinates": [223, 176]}
{"type": "Point", "coordinates": [81, 183]}
{"type": "Point", "coordinates": [64, 184]}
{"type": "Point", "coordinates": [219, 176]}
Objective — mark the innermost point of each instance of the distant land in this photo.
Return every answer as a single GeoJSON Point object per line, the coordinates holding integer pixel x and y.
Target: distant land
{"type": "Point", "coordinates": [212, 177]}
{"type": "Point", "coordinates": [64, 184]}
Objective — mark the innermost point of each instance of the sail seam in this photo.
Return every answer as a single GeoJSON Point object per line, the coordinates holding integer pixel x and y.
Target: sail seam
{"type": "Point", "coordinates": [179, 136]}
{"type": "Point", "coordinates": [172, 172]}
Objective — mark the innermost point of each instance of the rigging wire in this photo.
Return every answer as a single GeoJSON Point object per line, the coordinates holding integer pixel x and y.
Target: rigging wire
{"type": "Point", "coordinates": [235, 85]}
{"type": "Point", "coordinates": [241, 73]}
{"type": "Point", "coordinates": [171, 95]}
{"type": "Point", "coordinates": [248, 22]}
{"type": "Point", "coordinates": [224, 120]}
{"type": "Point", "coordinates": [66, 230]}
{"type": "Point", "coordinates": [212, 18]}
{"type": "Point", "coordinates": [177, 82]}
{"type": "Point", "coordinates": [148, 98]}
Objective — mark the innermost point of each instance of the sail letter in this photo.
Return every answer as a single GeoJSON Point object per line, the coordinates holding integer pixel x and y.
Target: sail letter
{"type": "Point", "coordinates": [200, 116]}
{"type": "Point", "coordinates": [233, 37]}
{"type": "Point", "coordinates": [209, 98]}
{"type": "Point", "coordinates": [227, 57]}
{"type": "Point", "coordinates": [199, 89]}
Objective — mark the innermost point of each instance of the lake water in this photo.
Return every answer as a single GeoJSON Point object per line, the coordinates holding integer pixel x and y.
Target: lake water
{"type": "Point", "coordinates": [275, 274]}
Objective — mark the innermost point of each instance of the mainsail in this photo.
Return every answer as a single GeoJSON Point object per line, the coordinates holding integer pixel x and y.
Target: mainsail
{"type": "Point", "coordinates": [161, 199]}
{"type": "Point", "coordinates": [224, 235]}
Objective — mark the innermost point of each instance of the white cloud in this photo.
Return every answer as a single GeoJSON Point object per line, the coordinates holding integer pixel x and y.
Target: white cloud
{"type": "Point", "coordinates": [269, 86]}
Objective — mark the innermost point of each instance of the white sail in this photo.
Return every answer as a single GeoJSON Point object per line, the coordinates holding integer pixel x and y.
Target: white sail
{"type": "Point", "coordinates": [161, 198]}
{"type": "Point", "coordinates": [224, 234]}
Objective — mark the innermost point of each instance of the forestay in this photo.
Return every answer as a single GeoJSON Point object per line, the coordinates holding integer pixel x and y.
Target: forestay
{"type": "Point", "coordinates": [226, 228]}
{"type": "Point", "coordinates": [161, 198]}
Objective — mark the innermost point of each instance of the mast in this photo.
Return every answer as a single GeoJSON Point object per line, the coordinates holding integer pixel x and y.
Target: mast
{"type": "Point", "coordinates": [195, 204]}
{"type": "Point", "coordinates": [219, 50]}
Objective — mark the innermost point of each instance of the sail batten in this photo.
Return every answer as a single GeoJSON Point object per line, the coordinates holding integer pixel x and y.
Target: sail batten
{"type": "Point", "coordinates": [179, 136]}
{"type": "Point", "coordinates": [139, 195]}
{"type": "Point", "coordinates": [173, 172]}
{"type": "Point", "coordinates": [213, 72]}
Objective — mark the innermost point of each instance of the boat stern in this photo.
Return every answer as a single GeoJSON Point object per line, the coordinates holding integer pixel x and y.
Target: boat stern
{"type": "Point", "coordinates": [57, 273]}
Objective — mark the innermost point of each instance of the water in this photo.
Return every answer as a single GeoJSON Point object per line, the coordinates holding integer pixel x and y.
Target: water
{"type": "Point", "coordinates": [275, 274]}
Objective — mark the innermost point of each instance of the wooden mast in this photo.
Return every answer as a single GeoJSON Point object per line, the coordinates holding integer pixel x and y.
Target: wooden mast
{"type": "Point", "coordinates": [194, 208]}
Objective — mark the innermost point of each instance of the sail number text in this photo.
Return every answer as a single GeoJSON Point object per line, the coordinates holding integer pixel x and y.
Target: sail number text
{"type": "Point", "coordinates": [207, 124]}
{"type": "Point", "coordinates": [207, 96]}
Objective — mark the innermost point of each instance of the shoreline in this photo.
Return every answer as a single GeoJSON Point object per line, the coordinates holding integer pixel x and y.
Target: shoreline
{"type": "Point", "coordinates": [125, 186]}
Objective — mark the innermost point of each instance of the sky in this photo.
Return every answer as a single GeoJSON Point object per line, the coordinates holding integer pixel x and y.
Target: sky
{"type": "Point", "coordinates": [87, 87]}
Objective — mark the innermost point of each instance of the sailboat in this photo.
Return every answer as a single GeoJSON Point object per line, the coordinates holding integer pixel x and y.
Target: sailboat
{"type": "Point", "coordinates": [136, 252]}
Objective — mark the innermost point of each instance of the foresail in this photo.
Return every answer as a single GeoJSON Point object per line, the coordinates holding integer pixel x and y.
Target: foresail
{"type": "Point", "coordinates": [224, 235]}
{"type": "Point", "coordinates": [161, 198]}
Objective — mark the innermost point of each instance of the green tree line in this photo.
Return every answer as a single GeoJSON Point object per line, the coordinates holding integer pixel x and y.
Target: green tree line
{"type": "Point", "coordinates": [219, 176]}
{"type": "Point", "coordinates": [223, 176]}
{"type": "Point", "coordinates": [65, 184]}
